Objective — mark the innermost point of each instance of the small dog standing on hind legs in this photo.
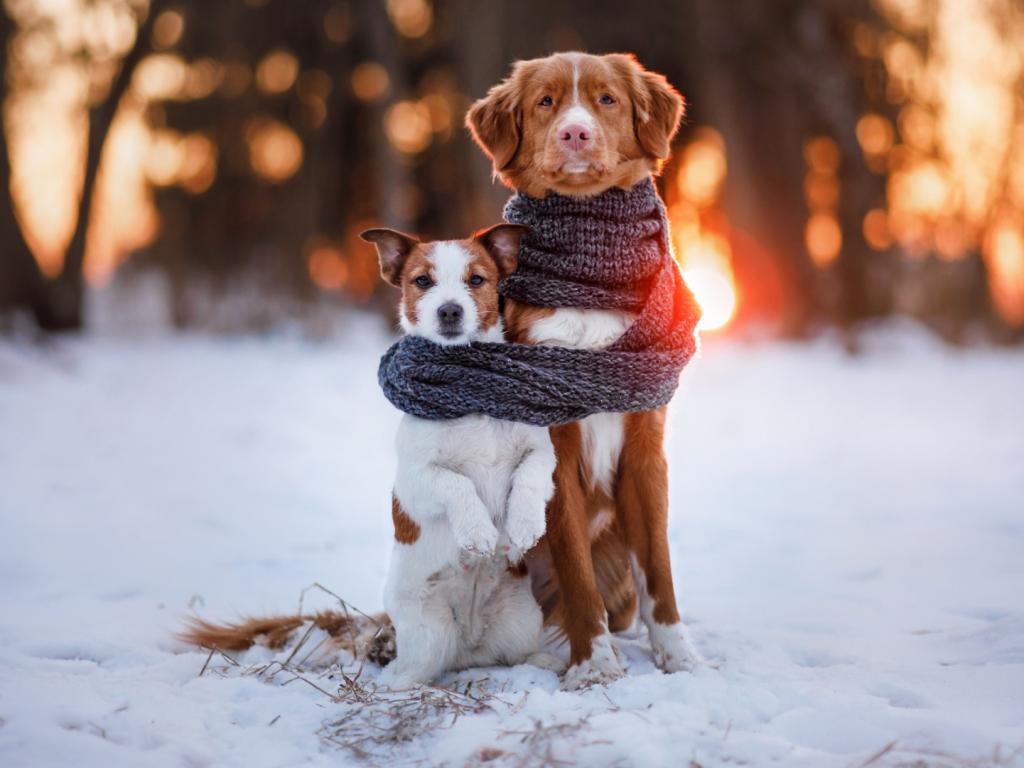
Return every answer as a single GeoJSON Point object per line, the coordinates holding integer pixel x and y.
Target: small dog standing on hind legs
{"type": "Point", "coordinates": [470, 493]}
{"type": "Point", "coordinates": [468, 501]}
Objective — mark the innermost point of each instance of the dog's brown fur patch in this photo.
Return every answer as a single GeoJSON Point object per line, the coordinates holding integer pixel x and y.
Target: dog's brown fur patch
{"type": "Point", "coordinates": [418, 263]}
{"type": "Point", "coordinates": [484, 296]}
{"type": "Point", "coordinates": [407, 530]}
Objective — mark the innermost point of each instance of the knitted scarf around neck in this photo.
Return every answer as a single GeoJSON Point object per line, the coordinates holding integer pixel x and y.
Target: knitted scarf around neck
{"type": "Point", "coordinates": [610, 251]}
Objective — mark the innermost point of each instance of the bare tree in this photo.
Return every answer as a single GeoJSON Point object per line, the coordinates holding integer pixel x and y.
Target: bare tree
{"type": "Point", "coordinates": [56, 303]}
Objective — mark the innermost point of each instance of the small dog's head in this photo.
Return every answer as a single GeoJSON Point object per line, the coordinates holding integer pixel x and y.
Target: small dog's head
{"type": "Point", "coordinates": [576, 124]}
{"type": "Point", "coordinates": [449, 287]}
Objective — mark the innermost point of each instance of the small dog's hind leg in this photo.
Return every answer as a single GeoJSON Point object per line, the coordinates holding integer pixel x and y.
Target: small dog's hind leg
{"type": "Point", "coordinates": [427, 643]}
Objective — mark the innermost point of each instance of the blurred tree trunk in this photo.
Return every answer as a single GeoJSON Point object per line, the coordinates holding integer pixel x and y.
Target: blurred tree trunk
{"type": "Point", "coordinates": [835, 90]}
{"type": "Point", "coordinates": [21, 283]}
{"type": "Point", "coordinates": [57, 304]}
{"type": "Point", "coordinates": [67, 290]}
{"type": "Point", "coordinates": [745, 84]}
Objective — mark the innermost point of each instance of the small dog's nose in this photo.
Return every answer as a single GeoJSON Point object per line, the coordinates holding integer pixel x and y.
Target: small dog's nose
{"type": "Point", "coordinates": [449, 313]}
{"type": "Point", "coordinates": [575, 136]}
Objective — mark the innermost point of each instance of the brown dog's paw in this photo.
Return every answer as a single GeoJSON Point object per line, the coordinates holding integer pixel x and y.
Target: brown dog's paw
{"type": "Point", "coordinates": [673, 651]}
{"type": "Point", "coordinates": [602, 668]}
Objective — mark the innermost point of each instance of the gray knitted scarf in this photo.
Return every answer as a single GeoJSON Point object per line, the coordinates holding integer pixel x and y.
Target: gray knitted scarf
{"type": "Point", "coordinates": [610, 251]}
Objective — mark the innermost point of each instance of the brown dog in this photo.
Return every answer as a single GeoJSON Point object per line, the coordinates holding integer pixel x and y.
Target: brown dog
{"type": "Point", "coordinates": [577, 124]}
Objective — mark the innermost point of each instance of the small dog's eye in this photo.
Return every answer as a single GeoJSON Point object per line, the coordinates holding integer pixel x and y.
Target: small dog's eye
{"type": "Point", "coordinates": [476, 281]}
{"type": "Point", "coordinates": [423, 282]}
{"type": "Point", "coordinates": [606, 98]}
{"type": "Point", "coordinates": [547, 101]}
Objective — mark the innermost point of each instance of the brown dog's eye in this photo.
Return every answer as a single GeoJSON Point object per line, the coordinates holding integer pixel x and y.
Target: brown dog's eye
{"type": "Point", "coordinates": [547, 101]}
{"type": "Point", "coordinates": [606, 98]}
{"type": "Point", "coordinates": [423, 282]}
{"type": "Point", "coordinates": [476, 281]}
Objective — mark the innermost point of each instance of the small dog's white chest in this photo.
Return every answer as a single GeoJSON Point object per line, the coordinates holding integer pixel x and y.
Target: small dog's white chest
{"type": "Point", "coordinates": [590, 329]}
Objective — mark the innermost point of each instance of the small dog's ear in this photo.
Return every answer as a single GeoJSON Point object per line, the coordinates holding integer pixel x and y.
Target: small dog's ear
{"type": "Point", "coordinates": [496, 121]}
{"type": "Point", "coordinates": [657, 106]}
{"type": "Point", "coordinates": [502, 242]}
{"type": "Point", "coordinates": [393, 248]}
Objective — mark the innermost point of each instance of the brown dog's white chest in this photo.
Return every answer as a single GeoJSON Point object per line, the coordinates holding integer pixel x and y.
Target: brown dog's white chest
{"type": "Point", "coordinates": [602, 433]}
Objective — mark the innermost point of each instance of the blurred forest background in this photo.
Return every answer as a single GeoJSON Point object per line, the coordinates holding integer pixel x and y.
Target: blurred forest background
{"type": "Point", "coordinates": [842, 161]}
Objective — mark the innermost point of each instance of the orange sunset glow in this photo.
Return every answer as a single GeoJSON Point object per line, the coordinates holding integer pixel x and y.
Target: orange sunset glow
{"type": "Point", "coordinates": [942, 132]}
{"type": "Point", "coordinates": [704, 254]}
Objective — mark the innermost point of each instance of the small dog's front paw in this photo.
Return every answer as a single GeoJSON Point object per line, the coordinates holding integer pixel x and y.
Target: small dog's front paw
{"type": "Point", "coordinates": [524, 531]}
{"type": "Point", "coordinates": [476, 542]}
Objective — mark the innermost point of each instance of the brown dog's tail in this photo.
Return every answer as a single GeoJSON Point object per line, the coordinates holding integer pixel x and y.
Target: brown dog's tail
{"type": "Point", "coordinates": [365, 637]}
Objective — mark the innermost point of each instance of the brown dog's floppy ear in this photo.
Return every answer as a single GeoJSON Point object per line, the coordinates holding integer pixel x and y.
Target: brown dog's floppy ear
{"type": "Point", "coordinates": [502, 242]}
{"type": "Point", "coordinates": [393, 247]}
{"type": "Point", "coordinates": [495, 121]}
{"type": "Point", "coordinates": [657, 106]}
{"type": "Point", "coordinates": [666, 111]}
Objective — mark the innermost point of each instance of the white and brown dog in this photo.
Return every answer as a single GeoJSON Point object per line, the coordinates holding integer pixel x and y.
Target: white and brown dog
{"type": "Point", "coordinates": [578, 124]}
{"type": "Point", "coordinates": [468, 500]}
{"type": "Point", "coordinates": [470, 493]}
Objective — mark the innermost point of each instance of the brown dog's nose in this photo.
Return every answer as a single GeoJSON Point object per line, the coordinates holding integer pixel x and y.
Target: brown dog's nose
{"type": "Point", "coordinates": [575, 136]}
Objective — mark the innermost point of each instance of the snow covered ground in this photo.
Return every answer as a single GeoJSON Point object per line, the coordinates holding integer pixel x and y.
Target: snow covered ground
{"type": "Point", "coordinates": [848, 544]}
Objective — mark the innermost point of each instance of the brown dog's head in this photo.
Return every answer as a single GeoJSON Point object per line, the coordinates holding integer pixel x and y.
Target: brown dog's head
{"type": "Point", "coordinates": [576, 124]}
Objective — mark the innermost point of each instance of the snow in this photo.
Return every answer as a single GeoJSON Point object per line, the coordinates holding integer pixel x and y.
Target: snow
{"type": "Point", "coordinates": [847, 539]}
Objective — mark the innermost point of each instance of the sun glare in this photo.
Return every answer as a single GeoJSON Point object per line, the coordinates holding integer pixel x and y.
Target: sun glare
{"type": "Point", "coordinates": [699, 231]}
{"type": "Point", "coordinates": [715, 294]}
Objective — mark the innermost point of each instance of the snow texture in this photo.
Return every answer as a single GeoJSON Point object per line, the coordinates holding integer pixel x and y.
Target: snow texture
{"type": "Point", "coordinates": [847, 538]}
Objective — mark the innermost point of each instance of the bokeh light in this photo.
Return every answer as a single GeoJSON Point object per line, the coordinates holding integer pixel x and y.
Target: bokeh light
{"type": "Point", "coordinates": [160, 76]}
{"type": "Point", "coordinates": [275, 151]}
{"type": "Point", "coordinates": [824, 238]}
{"type": "Point", "coordinates": [875, 134]}
{"type": "Point", "coordinates": [821, 190]}
{"type": "Point", "coordinates": [277, 72]}
{"type": "Point", "coordinates": [1004, 257]}
{"type": "Point", "coordinates": [703, 167]}
{"type": "Point", "coordinates": [168, 28]}
{"type": "Point", "coordinates": [412, 18]}
{"type": "Point", "coordinates": [370, 81]}
{"type": "Point", "coordinates": [327, 267]}
{"type": "Point", "coordinates": [407, 124]}
{"type": "Point", "coordinates": [876, 229]}
{"type": "Point", "coordinates": [338, 23]}
{"type": "Point", "coordinates": [822, 155]}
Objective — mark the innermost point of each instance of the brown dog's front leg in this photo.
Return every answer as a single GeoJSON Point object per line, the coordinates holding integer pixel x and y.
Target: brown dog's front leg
{"type": "Point", "coordinates": [581, 611]}
{"type": "Point", "coordinates": [642, 503]}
